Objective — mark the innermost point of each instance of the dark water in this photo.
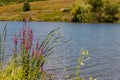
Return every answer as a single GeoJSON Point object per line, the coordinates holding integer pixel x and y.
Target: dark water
{"type": "Point", "coordinates": [101, 40]}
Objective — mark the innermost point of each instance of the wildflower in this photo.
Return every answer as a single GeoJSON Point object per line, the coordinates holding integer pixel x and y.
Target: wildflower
{"type": "Point", "coordinates": [22, 40]}
{"type": "Point", "coordinates": [37, 44]}
{"type": "Point", "coordinates": [33, 52]}
{"type": "Point", "coordinates": [24, 31]}
{"type": "Point", "coordinates": [40, 53]}
{"type": "Point", "coordinates": [18, 50]}
{"type": "Point", "coordinates": [31, 38]}
{"type": "Point", "coordinates": [27, 46]}
{"type": "Point", "coordinates": [30, 35]}
{"type": "Point", "coordinates": [82, 63]}
{"type": "Point", "coordinates": [20, 33]}
{"type": "Point", "coordinates": [15, 39]}
{"type": "Point", "coordinates": [42, 49]}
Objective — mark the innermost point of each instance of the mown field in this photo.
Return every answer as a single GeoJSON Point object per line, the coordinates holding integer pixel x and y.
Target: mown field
{"type": "Point", "coordinates": [40, 11]}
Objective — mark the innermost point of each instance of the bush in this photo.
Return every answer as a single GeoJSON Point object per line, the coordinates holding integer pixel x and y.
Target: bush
{"type": "Point", "coordinates": [2, 4]}
{"type": "Point", "coordinates": [96, 4]}
{"type": "Point", "coordinates": [26, 7]}
{"type": "Point", "coordinates": [111, 10]}
{"type": "Point", "coordinates": [80, 14]}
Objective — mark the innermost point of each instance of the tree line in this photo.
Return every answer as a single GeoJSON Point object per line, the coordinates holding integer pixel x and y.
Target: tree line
{"type": "Point", "coordinates": [96, 11]}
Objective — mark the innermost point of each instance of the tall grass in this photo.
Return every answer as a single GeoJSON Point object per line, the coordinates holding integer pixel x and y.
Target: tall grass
{"type": "Point", "coordinates": [2, 44]}
{"type": "Point", "coordinates": [28, 60]}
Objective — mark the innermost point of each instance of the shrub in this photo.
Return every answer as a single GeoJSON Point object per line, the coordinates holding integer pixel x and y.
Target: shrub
{"type": "Point", "coordinates": [2, 4]}
{"type": "Point", "coordinates": [81, 14]}
{"type": "Point", "coordinates": [110, 10]}
{"type": "Point", "coordinates": [96, 4]}
{"type": "Point", "coordinates": [26, 7]}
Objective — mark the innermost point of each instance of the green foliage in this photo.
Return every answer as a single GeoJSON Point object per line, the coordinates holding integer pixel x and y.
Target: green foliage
{"type": "Point", "coordinates": [80, 12]}
{"type": "Point", "coordinates": [96, 11]}
{"type": "Point", "coordinates": [83, 57]}
{"type": "Point", "coordinates": [81, 61]}
{"type": "Point", "coordinates": [96, 4]}
{"type": "Point", "coordinates": [110, 10]}
{"type": "Point", "coordinates": [26, 7]}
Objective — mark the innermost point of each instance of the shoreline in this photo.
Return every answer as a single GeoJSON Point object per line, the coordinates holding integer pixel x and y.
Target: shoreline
{"type": "Point", "coordinates": [56, 22]}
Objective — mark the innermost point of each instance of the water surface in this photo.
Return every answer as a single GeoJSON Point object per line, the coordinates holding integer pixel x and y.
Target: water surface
{"type": "Point", "coordinates": [101, 40]}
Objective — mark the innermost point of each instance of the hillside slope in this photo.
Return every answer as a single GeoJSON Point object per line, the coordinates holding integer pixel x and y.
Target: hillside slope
{"type": "Point", "coordinates": [40, 11]}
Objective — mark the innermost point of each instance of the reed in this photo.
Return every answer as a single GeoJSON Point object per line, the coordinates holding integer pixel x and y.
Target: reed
{"type": "Point", "coordinates": [28, 60]}
{"type": "Point", "coordinates": [2, 44]}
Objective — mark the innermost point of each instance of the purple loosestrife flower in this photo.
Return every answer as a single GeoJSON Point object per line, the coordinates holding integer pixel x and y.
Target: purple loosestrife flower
{"type": "Point", "coordinates": [39, 54]}
{"type": "Point", "coordinates": [32, 51]}
{"type": "Point", "coordinates": [20, 33]}
{"type": "Point", "coordinates": [31, 36]}
{"type": "Point", "coordinates": [37, 44]}
{"type": "Point", "coordinates": [19, 50]}
{"type": "Point", "coordinates": [22, 41]}
{"type": "Point", "coordinates": [24, 31]}
{"type": "Point", "coordinates": [15, 39]}
{"type": "Point", "coordinates": [42, 49]}
{"type": "Point", "coordinates": [27, 46]}
{"type": "Point", "coordinates": [28, 29]}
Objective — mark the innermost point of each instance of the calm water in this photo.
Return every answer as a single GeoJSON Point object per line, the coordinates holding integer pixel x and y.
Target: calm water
{"type": "Point", "coordinates": [101, 40]}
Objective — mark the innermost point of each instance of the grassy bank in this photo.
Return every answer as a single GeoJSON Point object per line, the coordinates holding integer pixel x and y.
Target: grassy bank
{"type": "Point", "coordinates": [40, 11]}
{"type": "Point", "coordinates": [51, 10]}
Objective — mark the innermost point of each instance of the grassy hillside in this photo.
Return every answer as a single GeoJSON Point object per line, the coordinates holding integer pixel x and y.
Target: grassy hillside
{"type": "Point", "coordinates": [40, 11]}
{"type": "Point", "coordinates": [50, 10]}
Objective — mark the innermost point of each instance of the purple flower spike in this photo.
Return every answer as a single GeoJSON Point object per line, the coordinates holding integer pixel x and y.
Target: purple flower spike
{"type": "Point", "coordinates": [15, 39]}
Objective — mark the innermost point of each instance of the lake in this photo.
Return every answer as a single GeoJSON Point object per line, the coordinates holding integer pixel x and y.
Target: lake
{"type": "Point", "coordinates": [101, 40]}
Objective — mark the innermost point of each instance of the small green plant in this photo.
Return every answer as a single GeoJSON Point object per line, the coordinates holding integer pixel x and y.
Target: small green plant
{"type": "Point", "coordinates": [81, 61]}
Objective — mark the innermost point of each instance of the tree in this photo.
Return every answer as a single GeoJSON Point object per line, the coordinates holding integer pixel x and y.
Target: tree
{"type": "Point", "coordinates": [80, 12]}
{"type": "Point", "coordinates": [96, 4]}
{"type": "Point", "coordinates": [26, 6]}
{"type": "Point", "coordinates": [111, 9]}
